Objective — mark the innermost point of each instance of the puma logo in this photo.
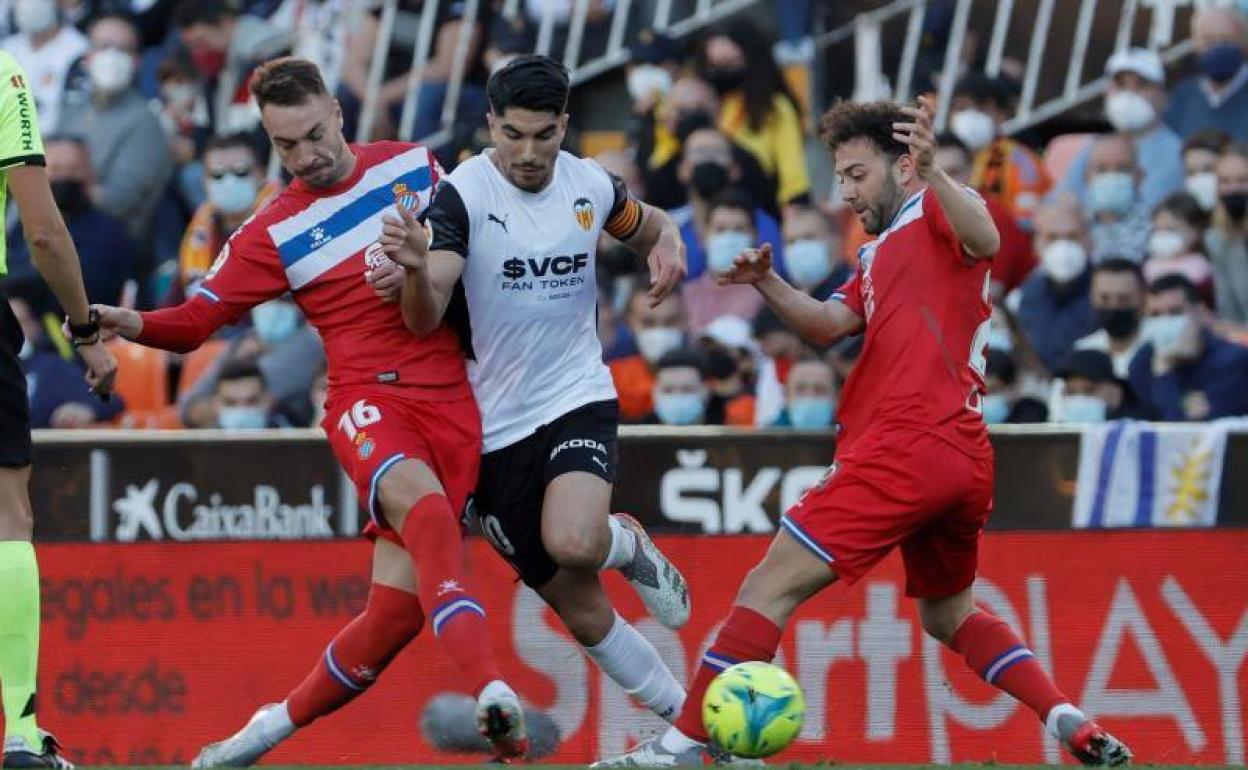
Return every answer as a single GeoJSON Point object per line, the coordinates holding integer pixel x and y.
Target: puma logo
{"type": "Point", "coordinates": [501, 222]}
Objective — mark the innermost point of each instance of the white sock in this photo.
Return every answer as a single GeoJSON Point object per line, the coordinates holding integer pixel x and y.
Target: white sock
{"type": "Point", "coordinates": [1050, 722]}
{"type": "Point", "coordinates": [623, 545]}
{"type": "Point", "coordinates": [275, 724]}
{"type": "Point", "coordinates": [628, 657]}
{"type": "Point", "coordinates": [495, 689]}
{"type": "Point", "coordinates": [675, 741]}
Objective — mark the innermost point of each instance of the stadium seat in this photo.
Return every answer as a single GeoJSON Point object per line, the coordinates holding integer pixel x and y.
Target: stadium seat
{"type": "Point", "coordinates": [594, 142]}
{"type": "Point", "coordinates": [198, 361]}
{"type": "Point", "coordinates": [1061, 151]}
{"type": "Point", "coordinates": [142, 375]}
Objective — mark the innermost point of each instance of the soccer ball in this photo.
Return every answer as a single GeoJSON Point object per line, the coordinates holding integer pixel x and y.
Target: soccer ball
{"type": "Point", "coordinates": [753, 709]}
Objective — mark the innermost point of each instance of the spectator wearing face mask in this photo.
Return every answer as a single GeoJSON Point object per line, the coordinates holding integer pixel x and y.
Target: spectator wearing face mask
{"type": "Point", "coordinates": [286, 350]}
{"type": "Point", "coordinates": [1087, 391]}
{"type": "Point", "coordinates": [1015, 260]}
{"type": "Point", "coordinates": [1003, 170]}
{"type": "Point", "coordinates": [46, 48]}
{"type": "Point", "coordinates": [1176, 245]}
{"type": "Point", "coordinates": [128, 147]}
{"type": "Point", "coordinates": [757, 108]}
{"type": "Point", "coordinates": [680, 391]}
{"type": "Point", "coordinates": [58, 394]}
{"type": "Point", "coordinates": [1227, 241]}
{"type": "Point", "coordinates": [660, 135]}
{"type": "Point", "coordinates": [1118, 301]}
{"type": "Point", "coordinates": [106, 253]}
{"type": "Point", "coordinates": [1200, 159]}
{"type": "Point", "coordinates": [812, 253]}
{"type": "Point", "coordinates": [656, 331]}
{"type": "Point", "coordinates": [1185, 371]}
{"type": "Point", "coordinates": [1006, 402]}
{"type": "Point", "coordinates": [730, 229]}
{"type": "Point", "coordinates": [235, 189]}
{"type": "Point", "coordinates": [655, 65]}
{"type": "Point", "coordinates": [745, 389]}
{"type": "Point", "coordinates": [1119, 217]}
{"type": "Point", "coordinates": [1133, 102]}
{"type": "Point", "coordinates": [240, 398]}
{"type": "Point", "coordinates": [1218, 96]}
{"type": "Point", "coordinates": [1053, 305]}
{"type": "Point", "coordinates": [706, 171]}
{"type": "Point", "coordinates": [809, 396]}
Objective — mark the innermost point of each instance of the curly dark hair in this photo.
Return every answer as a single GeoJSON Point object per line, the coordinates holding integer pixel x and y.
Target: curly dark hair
{"type": "Point", "coordinates": [873, 121]}
{"type": "Point", "coordinates": [286, 82]}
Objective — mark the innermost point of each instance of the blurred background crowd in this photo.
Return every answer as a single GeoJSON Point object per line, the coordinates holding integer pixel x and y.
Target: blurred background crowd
{"type": "Point", "coordinates": [1121, 289]}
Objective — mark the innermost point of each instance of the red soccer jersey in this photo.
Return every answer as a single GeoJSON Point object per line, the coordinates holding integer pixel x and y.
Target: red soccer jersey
{"type": "Point", "coordinates": [926, 306]}
{"type": "Point", "coordinates": [317, 244]}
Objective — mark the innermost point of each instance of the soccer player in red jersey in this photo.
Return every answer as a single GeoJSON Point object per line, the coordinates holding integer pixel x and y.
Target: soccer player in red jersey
{"type": "Point", "coordinates": [913, 464]}
{"type": "Point", "coordinates": [400, 414]}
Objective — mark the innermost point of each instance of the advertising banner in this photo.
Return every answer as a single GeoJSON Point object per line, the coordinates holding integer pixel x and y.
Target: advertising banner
{"type": "Point", "coordinates": [152, 649]}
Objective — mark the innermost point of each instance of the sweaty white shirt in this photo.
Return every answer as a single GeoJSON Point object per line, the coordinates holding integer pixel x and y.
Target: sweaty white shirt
{"type": "Point", "coordinates": [530, 287]}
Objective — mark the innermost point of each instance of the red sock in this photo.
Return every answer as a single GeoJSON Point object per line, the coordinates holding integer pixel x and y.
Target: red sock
{"type": "Point", "coordinates": [432, 536]}
{"type": "Point", "coordinates": [746, 635]}
{"type": "Point", "coordinates": [357, 655]}
{"type": "Point", "coordinates": [994, 651]}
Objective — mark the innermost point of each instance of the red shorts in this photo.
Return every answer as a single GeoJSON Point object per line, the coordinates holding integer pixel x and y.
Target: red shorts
{"type": "Point", "coordinates": [902, 488]}
{"type": "Point", "coordinates": [371, 429]}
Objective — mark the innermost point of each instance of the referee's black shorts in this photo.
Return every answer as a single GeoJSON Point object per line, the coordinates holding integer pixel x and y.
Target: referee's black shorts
{"type": "Point", "coordinates": [15, 449]}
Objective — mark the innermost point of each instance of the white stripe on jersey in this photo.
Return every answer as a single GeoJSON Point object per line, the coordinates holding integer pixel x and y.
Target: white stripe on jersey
{"type": "Point", "coordinates": [337, 250]}
{"type": "Point", "coordinates": [324, 208]}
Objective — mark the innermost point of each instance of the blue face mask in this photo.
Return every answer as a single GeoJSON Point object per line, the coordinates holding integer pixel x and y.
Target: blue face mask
{"type": "Point", "coordinates": [723, 248]}
{"type": "Point", "coordinates": [1111, 192]}
{"type": "Point", "coordinates": [811, 413]}
{"type": "Point", "coordinates": [679, 408]}
{"type": "Point", "coordinates": [275, 321]}
{"type": "Point", "coordinates": [807, 261]}
{"type": "Point", "coordinates": [232, 194]}
{"type": "Point", "coordinates": [242, 417]}
{"type": "Point", "coordinates": [1079, 408]}
{"type": "Point", "coordinates": [1221, 62]}
{"type": "Point", "coordinates": [996, 408]}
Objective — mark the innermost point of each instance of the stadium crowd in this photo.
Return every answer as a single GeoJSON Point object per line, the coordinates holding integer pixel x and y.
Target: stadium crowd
{"type": "Point", "coordinates": [1121, 287]}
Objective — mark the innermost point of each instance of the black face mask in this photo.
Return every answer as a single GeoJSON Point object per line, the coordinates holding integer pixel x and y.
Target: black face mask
{"type": "Point", "coordinates": [1118, 323]}
{"type": "Point", "coordinates": [709, 179]}
{"type": "Point", "coordinates": [69, 194]}
{"type": "Point", "coordinates": [1236, 204]}
{"type": "Point", "coordinates": [724, 80]}
{"type": "Point", "coordinates": [689, 122]}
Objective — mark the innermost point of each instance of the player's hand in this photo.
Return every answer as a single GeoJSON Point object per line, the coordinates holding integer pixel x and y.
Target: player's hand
{"type": "Point", "coordinates": [386, 280]}
{"type": "Point", "coordinates": [117, 321]}
{"type": "Point", "coordinates": [750, 266]}
{"type": "Point", "coordinates": [919, 136]}
{"type": "Point", "coordinates": [667, 268]}
{"type": "Point", "coordinates": [101, 367]}
{"type": "Point", "coordinates": [71, 415]}
{"type": "Point", "coordinates": [404, 240]}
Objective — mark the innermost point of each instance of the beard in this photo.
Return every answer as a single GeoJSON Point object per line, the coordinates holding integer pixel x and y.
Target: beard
{"type": "Point", "coordinates": [881, 214]}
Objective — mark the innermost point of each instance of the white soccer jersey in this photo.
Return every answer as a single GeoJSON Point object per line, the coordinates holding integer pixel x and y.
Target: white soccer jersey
{"type": "Point", "coordinates": [530, 287]}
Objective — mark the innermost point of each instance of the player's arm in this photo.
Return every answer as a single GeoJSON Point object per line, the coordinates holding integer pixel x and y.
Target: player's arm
{"type": "Point", "coordinates": [819, 323]}
{"type": "Point", "coordinates": [655, 237]}
{"type": "Point", "coordinates": [968, 216]}
{"type": "Point", "coordinates": [429, 274]}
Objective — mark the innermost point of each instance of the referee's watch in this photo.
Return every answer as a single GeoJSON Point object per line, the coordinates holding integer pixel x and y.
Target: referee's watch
{"type": "Point", "coordinates": [85, 334]}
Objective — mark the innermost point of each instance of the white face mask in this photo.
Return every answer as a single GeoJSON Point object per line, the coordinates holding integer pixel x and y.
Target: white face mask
{"type": "Point", "coordinates": [680, 408]}
{"type": "Point", "coordinates": [647, 80]}
{"type": "Point", "coordinates": [242, 417]}
{"type": "Point", "coordinates": [807, 261]}
{"type": "Point", "coordinates": [1204, 188]}
{"type": "Point", "coordinates": [723, 248]}
{"type": "Point", "coordinates": [110, 70]}
{"type": "Point", "coordinates": [974, 127]}
{"type": "Point", "coordinates": [652, 343]}
{"type": "Point", "coordinates": [1163, 244]}
{"type": "Point", "coordinates": [1064, 260]}
{"type": "Point", "coordinates": [1079, 408]}
{"type": "Point", "coordinates": [34, 17]}
{"type": "Point", "coordinates": [232, 194]}
{"type": "Point", "coordinates": [1129, 112]}
{"type": "Point", "coordinates": [1164, 331]}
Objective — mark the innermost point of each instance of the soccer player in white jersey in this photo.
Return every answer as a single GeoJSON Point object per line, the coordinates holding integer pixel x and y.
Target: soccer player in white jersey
{"type": "Point", "coordinates": [518, 224]}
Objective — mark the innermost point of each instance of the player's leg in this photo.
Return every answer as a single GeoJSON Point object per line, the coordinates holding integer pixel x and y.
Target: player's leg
{"type": "Point", "coordinates": [350, 664]}
{"type": "Point", "coordinates": [583, 534]}
{"type": "Point", "coordinates": [415, 505]}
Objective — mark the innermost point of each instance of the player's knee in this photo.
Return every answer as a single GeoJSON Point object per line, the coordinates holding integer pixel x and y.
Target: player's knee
{"type": "Point", "coordinates": [939, 623]}
{"type": "Point", "coordinates": [401, 488]}
{"type": "Point", "coordinates": [575, 548]}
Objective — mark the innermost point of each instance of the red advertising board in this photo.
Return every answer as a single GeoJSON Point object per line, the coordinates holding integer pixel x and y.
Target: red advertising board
{"type": "Point", "coordinates": [151, 650]}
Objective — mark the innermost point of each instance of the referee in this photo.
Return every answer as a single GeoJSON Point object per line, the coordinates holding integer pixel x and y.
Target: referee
{"type": "Point", "coordinates": [54, 255]}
